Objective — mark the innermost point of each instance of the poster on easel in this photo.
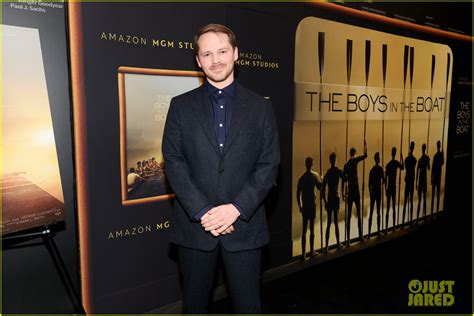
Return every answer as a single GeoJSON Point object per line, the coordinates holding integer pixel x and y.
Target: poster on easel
{"type": "Point", "coordinates": [32, 193]}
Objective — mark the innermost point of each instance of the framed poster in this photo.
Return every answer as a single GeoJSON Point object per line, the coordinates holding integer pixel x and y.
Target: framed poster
{"type": "Point", "coordinates": [144, 98]}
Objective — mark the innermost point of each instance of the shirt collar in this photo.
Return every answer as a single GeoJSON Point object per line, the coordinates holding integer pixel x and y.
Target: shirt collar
{"type": "Point", "coordinates": [229, 90]}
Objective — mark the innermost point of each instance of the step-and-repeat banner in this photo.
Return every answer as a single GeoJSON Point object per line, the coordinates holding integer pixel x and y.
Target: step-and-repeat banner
{"type": "Point", "coordinates": [364, 117]}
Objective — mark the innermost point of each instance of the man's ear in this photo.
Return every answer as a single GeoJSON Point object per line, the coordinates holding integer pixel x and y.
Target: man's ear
{"type": "Point", "coordinates": [236, 53]}
{"type": "Point", "coordinates": [197, 60]}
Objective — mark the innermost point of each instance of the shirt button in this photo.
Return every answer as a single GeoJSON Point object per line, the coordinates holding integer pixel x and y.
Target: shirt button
{"type": "Point", "coordinates": [221, 145]}
{"type": "Point", "coordinates": [220, 125]}
{"type": "Point", "coordinates": [220, 92]}
{"type": "Point", "coordinates": [222, 106]}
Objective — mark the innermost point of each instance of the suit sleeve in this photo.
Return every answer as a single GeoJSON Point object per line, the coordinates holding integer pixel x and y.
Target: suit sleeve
{"type": "Point", "coordinates": [263, 176]}
{"type": "Point", "coordinates": [176, 166]}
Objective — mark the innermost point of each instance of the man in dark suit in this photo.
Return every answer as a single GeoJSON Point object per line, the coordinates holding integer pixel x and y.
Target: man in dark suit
{"type": "Point", "coordinates": [221, 152]}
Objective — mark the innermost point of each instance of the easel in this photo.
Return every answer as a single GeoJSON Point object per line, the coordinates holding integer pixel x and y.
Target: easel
{"type": "Point", "coordinates": [47, 234]}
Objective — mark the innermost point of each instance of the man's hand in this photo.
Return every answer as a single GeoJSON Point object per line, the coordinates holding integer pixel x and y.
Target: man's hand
{"type": "Point", "coordinates": [219, 219]}
{"type": "Point", "coordinates": [225, 232]}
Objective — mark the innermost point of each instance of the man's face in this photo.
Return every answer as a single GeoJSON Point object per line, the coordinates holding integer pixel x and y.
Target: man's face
{"type": "Point", "coordinates": [216, 58]}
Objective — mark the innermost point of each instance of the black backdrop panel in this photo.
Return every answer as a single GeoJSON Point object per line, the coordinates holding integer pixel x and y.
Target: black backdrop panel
{"type": "Point", "coordinates": [138, 272]}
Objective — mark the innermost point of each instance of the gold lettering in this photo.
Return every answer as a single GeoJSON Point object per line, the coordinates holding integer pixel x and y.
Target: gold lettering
{"type": "Point", "coordinates": [132, 231]}
{"type": "Point", "coordinates": [185, 45]}
{"type": "Point", "coordinates": [252, 56]}
{"type": "Point", "coordinates": [162, 43]}
{"type": "Point", "coordinates": [243, 62]}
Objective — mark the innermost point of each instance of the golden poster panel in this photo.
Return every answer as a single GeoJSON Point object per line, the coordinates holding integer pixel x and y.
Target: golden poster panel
{"type": "Point", "coordinates": [145, 96]}
{"type": "Point", "coordinates": [31, 188]}
{"type": "Point", "coordinates": [356, 87]}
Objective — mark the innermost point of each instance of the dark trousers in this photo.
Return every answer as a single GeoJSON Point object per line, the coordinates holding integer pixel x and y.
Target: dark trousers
{"type": "Point", "coordinates": [243, 274]}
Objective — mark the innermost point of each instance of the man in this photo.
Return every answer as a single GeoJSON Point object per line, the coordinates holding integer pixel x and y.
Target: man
{"type": "Point", "coordinates": [221, 152]}
{"type": "Point", "coordinates": [391, 178]}
{"type": "Point", "coordinates": [331, 179]}
{"type": "Point", "coordinates": [353, 196]}
{"type": "Point", "coordinates": [421, 180]}
{"type": "Point", "coordinates": [436, 169]}
{"type": "Point", "coordinates": [376, 178]}
{"type": "Point", "coordinates": [306, 199]}
{"type": "Point", "coordinates": [410, 165]}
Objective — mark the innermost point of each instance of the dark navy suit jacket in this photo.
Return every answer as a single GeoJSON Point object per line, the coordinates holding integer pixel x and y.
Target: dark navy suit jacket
{"type": "Point", "coordinates": [201, 175]}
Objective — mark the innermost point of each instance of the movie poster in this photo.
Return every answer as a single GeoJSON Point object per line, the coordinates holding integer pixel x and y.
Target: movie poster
{"type": "Point", "coordinates": [32, 193]}
{"type": "Point", "coordinates": [145, 96]}
{"type": "Point", "coordinates": [370, 128]}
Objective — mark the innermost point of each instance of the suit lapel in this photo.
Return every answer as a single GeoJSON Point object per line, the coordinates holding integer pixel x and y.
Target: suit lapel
{"type": "Point", "coordinates": [202, 112]}
{"type": "Point", "coordinates": [238, 117]}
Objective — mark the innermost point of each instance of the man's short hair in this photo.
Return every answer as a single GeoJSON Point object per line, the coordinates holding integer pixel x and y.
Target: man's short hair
{"type": "Point", "coordinates": [332, 158]}
{"type": "Point", "coordinates": [308, 162]}
{"type": "Point", "coordinates": [216, 28]}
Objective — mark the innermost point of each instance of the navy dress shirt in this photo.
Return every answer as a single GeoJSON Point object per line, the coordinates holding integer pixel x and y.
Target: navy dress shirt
{"type": "Point", "coordinates": [222, 106]}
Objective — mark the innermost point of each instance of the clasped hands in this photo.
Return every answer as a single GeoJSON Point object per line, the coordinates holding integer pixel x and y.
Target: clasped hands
{"type": "Point", "coordinates": [219, 220]}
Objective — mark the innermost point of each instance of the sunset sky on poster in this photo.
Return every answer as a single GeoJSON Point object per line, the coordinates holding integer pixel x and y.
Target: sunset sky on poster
{"type": "Point", "coordinates": [28, 139]}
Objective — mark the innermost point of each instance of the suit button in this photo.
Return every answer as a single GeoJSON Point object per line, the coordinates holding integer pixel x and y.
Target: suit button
{"type": "Point", "coordinates": [221, 170]}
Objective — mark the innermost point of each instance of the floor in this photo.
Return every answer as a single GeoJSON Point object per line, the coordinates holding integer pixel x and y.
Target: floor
{"type": "Point", "coordinates": [375, 280]}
